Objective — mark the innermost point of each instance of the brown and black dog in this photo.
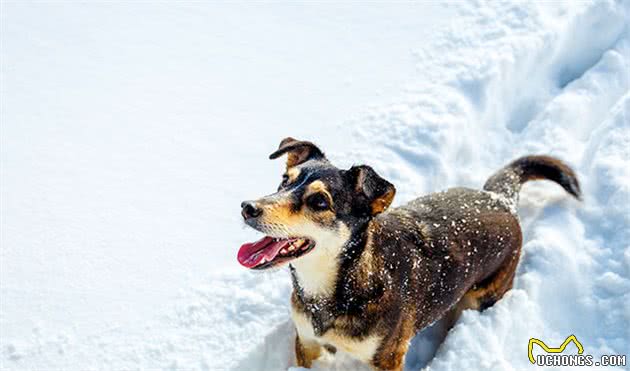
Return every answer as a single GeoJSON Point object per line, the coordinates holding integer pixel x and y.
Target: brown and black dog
{"type": "Point", "coordinates": [367, 278]}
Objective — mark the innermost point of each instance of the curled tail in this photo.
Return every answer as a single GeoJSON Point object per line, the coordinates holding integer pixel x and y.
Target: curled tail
{"type": "Point", "coordinates": [508, 180]}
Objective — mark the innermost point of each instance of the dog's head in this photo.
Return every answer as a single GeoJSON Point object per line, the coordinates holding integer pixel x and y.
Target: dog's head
{"type": "Point", "coordinates": [315, 209]}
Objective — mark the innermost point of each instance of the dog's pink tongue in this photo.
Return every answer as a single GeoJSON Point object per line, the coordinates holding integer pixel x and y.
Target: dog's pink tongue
{"type": "Point", "coordinates": [252, 254]}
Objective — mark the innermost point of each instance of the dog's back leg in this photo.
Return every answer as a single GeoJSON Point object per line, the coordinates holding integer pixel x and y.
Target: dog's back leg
{"type": "Point", "coordinates": [487, 292]}
{"type": "Point", "coordinates": [484, 294]}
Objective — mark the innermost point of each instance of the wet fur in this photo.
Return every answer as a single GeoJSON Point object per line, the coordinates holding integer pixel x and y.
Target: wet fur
{"type": "Point", "coordinates": [385, 275]}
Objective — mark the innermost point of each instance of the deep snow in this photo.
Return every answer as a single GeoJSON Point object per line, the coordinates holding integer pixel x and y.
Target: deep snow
{"type": "Point", "coordinates": [496, 81]}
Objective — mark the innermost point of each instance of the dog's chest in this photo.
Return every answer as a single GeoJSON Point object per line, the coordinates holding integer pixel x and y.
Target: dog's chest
{"type": "Point", "coordinates": [309, 330]}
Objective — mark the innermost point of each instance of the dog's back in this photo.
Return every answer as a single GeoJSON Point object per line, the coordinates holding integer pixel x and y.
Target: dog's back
{"type": "Point", "coordinates": [440, 245]}
{"type": "Point", "coordinates": [462, 243]}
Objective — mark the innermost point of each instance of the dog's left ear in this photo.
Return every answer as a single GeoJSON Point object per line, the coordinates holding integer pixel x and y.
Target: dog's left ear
{"type": "Point", "coordinates": [376, 193]}
{"type": "Point", "coordinates": [298, 151]}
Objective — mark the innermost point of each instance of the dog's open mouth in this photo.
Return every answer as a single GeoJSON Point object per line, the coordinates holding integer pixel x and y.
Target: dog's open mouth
{"type": "Point", "coordinates": [268, 251]}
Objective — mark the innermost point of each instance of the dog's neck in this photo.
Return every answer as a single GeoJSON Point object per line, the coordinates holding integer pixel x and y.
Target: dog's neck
{"type": "Point", "coordinates": [316, 274]}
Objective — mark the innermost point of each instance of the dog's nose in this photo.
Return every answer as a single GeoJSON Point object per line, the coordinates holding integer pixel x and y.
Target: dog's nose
{"type": "Point", "coordinates": [250, 210]}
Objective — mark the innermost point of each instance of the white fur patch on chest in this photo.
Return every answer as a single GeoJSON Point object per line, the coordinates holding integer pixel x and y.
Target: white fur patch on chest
{"type": "Point", "coordinates": [362, 349]}
{"type": "Point", "coordinates": [317, 270]}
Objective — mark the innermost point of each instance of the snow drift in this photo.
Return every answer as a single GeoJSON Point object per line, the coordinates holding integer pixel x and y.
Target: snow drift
{"type": "Point", "coordinates": [507, 79]}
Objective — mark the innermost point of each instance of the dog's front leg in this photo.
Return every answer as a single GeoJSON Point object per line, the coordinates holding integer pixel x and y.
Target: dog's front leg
{"type": "Point", "coordinates": [391, 352]}
{"type": "Point", "coordinates": [391, 361]}
{"type": "Point", "coordinates": [306, 352]}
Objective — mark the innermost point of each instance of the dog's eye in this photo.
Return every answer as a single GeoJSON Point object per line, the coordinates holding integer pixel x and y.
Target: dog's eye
{"type": "Point", "coordinates": [318, 202]}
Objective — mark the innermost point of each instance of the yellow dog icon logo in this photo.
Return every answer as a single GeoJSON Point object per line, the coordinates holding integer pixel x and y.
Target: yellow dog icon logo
{"type": "Point", "coordinates": [547, 349]}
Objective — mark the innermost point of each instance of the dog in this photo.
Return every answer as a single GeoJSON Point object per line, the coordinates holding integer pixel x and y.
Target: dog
{"type": "Point", "coordinates": [366, 277]}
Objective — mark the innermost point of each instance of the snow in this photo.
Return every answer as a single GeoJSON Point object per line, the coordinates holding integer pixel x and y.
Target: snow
{"type": "Point", "coordinates": [130, 134]}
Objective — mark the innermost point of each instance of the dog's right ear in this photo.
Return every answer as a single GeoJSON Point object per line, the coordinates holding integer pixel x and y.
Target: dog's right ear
{"type": "Point", "coordinates": [298, 151]}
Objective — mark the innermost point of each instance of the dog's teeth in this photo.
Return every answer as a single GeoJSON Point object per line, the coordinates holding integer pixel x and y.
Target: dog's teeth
{"type": "Point", "coordinates": [291, 247]}
{"type": "Point", "coordinates": [263, 260]}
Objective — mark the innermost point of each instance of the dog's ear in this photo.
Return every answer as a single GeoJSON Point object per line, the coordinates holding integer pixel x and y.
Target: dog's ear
{"type": "Point", "coordinates": [374, 193]}
{"type": "Point", "coordinates": [298, 151]}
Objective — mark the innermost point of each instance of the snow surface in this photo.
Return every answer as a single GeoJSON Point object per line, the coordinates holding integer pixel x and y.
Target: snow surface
{"type": "Point", "coordinates": [131, 132]}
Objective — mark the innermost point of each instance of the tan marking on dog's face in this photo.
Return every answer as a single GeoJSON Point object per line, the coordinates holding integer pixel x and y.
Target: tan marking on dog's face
{"type": "Point", "coordinates": [292, 174]}
{"type": "Point", "coordinates": [280, 219]}
{"type": "Point", "coordinates": [317, 270]}
{"type": "Point", "coordinates": [317, 186]}
{"type": "Point", "coordinates": [278, 216]}
{"type": "Point", "coordinates": [326, 217]}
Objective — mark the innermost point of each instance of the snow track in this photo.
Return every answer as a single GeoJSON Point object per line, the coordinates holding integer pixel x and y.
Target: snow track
{"type": "Point", "coordinates": [509, 79]}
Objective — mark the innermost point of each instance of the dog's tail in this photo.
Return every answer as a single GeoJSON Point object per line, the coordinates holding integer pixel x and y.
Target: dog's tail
{"type": "Point", "coordinates": [508, 181]}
